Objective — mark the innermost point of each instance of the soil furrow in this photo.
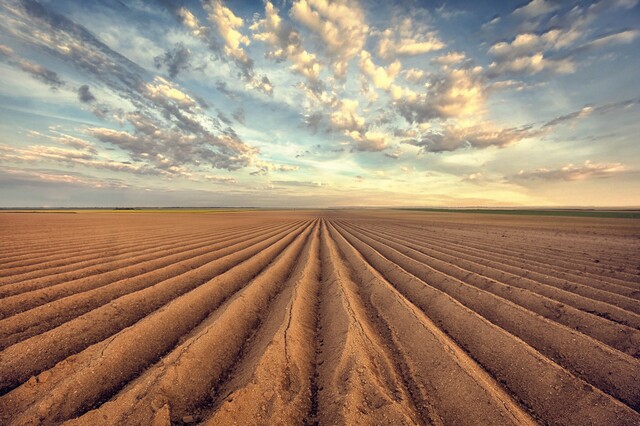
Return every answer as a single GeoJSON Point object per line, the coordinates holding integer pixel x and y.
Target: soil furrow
{"type": "Point", "coordinates": [430, 360]}
{"type": "Point", "coordinates": [515, 265]}
{"type": "Point", "coordinates": [73, 270]}
{"type": "Point", "coordinates": [110, 248]}
{"type": "Point", "coordinates": [167, 392]}
{"type": "Point", "coordinates": [313, 317]}
{"type": "Point", "coordinates": [538, 257]}
{"type": "Point", "coordinates": [271, 384]}
{"type": "Point", "coordinates": [17, 364]}
{"type": "Point", "coordinates": [548, 302]}
{"type": "Point", "coordinates": [163, 258]}
{"type": "Point", "coordinates": [549, 391]}
{"type": "Point", "coordinates": [358, 379]}
{"type": "Point", "coordinates": [46, 317]}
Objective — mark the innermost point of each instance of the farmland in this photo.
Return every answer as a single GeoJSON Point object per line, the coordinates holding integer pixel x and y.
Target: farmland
{"type": "Point", "coordinates": [319, 317]}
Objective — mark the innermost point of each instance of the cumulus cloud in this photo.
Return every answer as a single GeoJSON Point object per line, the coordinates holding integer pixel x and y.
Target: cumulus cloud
{"type": "Point", "coordinates": [346, 117]}
{"type": "Point", "coordinates": [572, 172]}
{"type": "Point", "coordinates": [340, 27]}
{"type": "Point", "coordinates": [286, 44]}
{"type": "Point", "coordinates": [228, 26]}
{"type": "Point", "coordinates": [368, 140]}
{"type": "Point", "coordinates": [407, 39]}
{"type": "Point", "coordinates": [381, 77]}
{"type": "Point", "coordinates": [414, 75]}
{"type": "Point", "coordinates": [455, 93]}
{"type": "Point", "coordinates": [163, 91]}
{"type": "Point", "coordinates": [175, 60]}
{"type": "Point", "coordinates": [224, 39]}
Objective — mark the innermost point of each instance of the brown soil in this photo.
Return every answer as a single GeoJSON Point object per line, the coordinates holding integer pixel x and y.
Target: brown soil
{"type": "Point", "coordinates": [318, 317]}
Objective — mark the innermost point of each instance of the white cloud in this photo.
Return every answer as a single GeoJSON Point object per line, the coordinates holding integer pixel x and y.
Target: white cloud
{"type": "Point", "coordinates": [346, 117]}
{"type": "Point", "coordinates": [161, 90]}
{"type": "Point", "coordinates": [227, 24]}
{"type": "Point", "coordinates": [340, 26]}
{"type": "Point", "coordinates": [407, 39]}
{"type": "Point", "coordinates": [381, 77]}
{"type": "Point", "coordinates": [368, 141]}
{"type": "Point", "coordinates": [450, 58]}
{"type": "Point", "coordinates": [285, 43]}
{"type": "Point", "coordinates": [456, 93]}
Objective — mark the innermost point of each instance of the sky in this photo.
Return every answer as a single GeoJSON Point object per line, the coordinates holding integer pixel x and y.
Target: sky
{"type": "Point", "coordinates": [317, 103]}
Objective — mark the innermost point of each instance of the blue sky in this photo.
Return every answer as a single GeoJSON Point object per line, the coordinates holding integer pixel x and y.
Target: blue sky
{"type": "Point", "coordinates": [316, 103]}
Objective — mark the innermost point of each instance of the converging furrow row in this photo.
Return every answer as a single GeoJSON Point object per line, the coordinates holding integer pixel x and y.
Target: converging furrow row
{"type": "Point", "coordinates": [311, 318]}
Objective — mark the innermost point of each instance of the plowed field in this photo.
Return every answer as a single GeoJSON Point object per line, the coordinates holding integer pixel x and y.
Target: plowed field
{"type": "Point", "coordinates": [318, 317]}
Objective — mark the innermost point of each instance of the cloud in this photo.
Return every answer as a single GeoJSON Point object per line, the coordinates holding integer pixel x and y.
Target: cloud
{"type": "Point", "coordinates": [368, 141]}
{"type": "Point", "coordinates": [527, 53]}
{"type": "Point", "coordinates": [37, 71]}
{"type": "Point", "coordinates": [176, 60]}
{"type": "Point", "coordinates": [622, 37]}
{"type": "Point", "coordinates": [169, 149]}
{"type": "Point", "coordinates": [381, 77]}
{"type": "Point", "coordinates": [480, 136]}
{"type": "Point", "coordinates": [414, 75]}
{"type": "Point", "coordinates": [346, 117]}
{"type": "Point", "coordinates": [297, 183]}
{"type": "Point", "coordinates": [168, 124]}
{"type": "Point", "coordinates": [239, 116]}
{"type": "Point", "coordinates": [264, 167]}
{"type": "Point", "coordinates": [571, 172]}
{"type": "Point", "coordinates": [340, 27]}
{"type": "Point", "coordinates": [66, 139]}
{"type": "Point", "coordinates": [33, 178]}
{"type": "Point", "coordinates": [221, 179]}
{"type": "Point", "coordinates": [224, 39]}
{"type": "Point", "coordinates": [228, 26]}
{"type": "Point", "coordinates": [455, 93]}
{"type": "Point", "coordinates": [529, 43]}
{"type": "Point", "coordinates": [450, 58]}
{"type": "Point", "coordinates": [533, 64]}
{"type": "Point", "coordinates": [589, 110]}
{"type": "Point", "coordinates": [407, 39]}
{"type": "Point", "coordinates": [537, 8]}
{"type": "Point", "coordinates": [69, 157]}
{"type": "Point", "coordinates": [163, 92]}
{"type": "Point", "coordinates": [85, 95]}
{"type": "Point", "coordinates": [286, 44]}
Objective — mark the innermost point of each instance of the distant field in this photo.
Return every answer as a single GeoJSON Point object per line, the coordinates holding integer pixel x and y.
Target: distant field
{"type": "Point", "coordinates": [627, 214]}
{"type": "Point", "coordinates": [130, 210]}
{"type": "Point", "coordinates": [318, 317]}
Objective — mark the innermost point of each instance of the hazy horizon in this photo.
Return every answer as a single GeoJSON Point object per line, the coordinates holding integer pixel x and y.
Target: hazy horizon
{"type": "Point", "coordinates": [309, 103]}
